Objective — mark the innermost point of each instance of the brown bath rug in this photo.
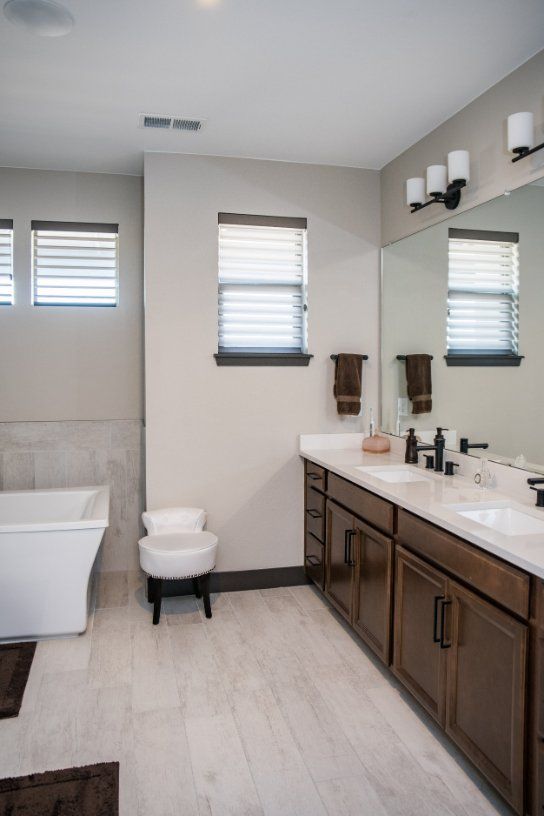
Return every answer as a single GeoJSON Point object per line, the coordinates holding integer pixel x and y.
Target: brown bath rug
{"type": "Point", "coordinates": [15, 662]}
{"type": "Point", "coordinates": [89, 791]}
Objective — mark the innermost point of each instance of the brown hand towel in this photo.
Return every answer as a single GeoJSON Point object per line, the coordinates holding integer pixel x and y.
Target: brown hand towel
{"type": "Point", "coordinates": [347, 383]}
{"type": "Point", "coordinates": [418, 381]}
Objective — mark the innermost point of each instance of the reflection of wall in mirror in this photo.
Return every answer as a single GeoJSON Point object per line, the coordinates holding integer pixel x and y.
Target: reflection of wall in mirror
{"type": "Point", "coordinates": [499, 405]}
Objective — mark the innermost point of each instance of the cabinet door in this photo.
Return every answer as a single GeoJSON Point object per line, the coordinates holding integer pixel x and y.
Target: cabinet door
{"type": "Point", "coordinates": [373, 589]}
{"type": "Point", "coordinates": [339, 548]}
{"type": "Point", "coordinates": [486, 690]}
{"type": "Point", "coordinates": [419, 660]}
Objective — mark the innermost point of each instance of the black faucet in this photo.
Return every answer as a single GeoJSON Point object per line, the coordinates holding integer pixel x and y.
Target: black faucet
{"type": "Point", "coordinates": [539, 491]}
{"type": "Point", "coordinates": [413, 449]}
{"type": "Point", "coordinates": [464, 445]}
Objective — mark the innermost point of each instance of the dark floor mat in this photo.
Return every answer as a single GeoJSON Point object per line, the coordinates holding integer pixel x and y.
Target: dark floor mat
{"type": "Point", "coordinates": [15, 663]}
{"type": "Point", "coordinates": [89, 791]}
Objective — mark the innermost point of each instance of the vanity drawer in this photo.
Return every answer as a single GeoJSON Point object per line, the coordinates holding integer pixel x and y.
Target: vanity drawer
{"type": "Point", "coordinates": [362, 503]}
{"type": "Point", "coordinates": [315, 512]}
{"type": "Point", "coordinates": [315, 476]}
{"type": "Point", "coordinates": [314, 560]}
{"type": "Point", "coordinates": [501, 582]}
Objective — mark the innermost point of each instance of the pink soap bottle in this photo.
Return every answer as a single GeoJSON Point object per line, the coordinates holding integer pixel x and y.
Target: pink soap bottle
{"type": "Point", "coordinates": [375, 442]}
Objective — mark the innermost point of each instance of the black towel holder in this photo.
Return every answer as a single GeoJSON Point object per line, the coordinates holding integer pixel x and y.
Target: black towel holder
{"type": "Point", "coordinates": [403, 357]}
{"type": "Point", "coordinates": [335, 357]}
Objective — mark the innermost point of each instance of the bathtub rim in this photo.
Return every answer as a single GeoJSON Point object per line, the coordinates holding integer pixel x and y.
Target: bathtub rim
{"type": "Point", "coordinates": [99, 518]}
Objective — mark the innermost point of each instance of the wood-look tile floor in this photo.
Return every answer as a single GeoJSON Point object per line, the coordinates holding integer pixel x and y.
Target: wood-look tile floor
{"type": "Point", "coordinates": [272, 707]}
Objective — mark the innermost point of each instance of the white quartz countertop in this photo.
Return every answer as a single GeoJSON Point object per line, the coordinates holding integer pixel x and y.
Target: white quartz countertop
{"type": "Point", "coordinates": [432, 499]}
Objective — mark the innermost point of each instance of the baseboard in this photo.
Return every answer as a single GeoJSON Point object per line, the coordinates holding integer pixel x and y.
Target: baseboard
{"type": "Point", "coordinates": [241, 580]}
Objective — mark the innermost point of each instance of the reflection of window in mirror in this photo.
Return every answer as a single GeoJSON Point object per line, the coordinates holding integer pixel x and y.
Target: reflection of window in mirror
{"type": "Point", "coordinates": [483, 292]}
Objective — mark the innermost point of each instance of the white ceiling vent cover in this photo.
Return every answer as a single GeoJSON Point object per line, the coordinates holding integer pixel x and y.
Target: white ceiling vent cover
{"type": "Point", "coordinates": [162, 122]}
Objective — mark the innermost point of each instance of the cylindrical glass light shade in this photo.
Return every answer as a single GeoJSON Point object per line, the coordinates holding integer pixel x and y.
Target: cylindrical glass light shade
{"type": "Point", "coordinates": [458, 166]}
{"type": "Point", "coordinates": [437, 178]}
{"type": "Point", "coordinates": [520, 131]}
{"type": "Point", "coordinates": [415, 191]}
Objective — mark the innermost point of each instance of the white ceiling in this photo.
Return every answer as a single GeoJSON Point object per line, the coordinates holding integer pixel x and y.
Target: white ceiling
{"type": "Point", "coordinates": [348, 82]}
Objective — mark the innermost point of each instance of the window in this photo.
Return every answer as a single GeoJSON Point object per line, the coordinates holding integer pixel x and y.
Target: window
{"type": "Point", "coordinates": [75, 264]}
{"type": "Point", "coordinates": [262, 290]}
{"type": "Point", "coordinates": [483, 286]}
{"type": "Point", "coordinates": [6, 262]}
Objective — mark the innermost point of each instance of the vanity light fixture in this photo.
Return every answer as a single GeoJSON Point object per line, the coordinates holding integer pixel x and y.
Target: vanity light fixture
{"type": "Point", "coordinates": [521, 135]}
{"type": "Point", "coordinates": [444, 184]}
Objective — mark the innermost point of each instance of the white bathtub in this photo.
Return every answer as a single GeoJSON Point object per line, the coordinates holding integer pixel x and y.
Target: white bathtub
{"type": "Point", "coordinates": [48, 543]}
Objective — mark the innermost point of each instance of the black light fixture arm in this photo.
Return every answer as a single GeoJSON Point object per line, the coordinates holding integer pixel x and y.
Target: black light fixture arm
{"type": "Point", "coordinates": [450, 198]}
{"type": "Point", "coordinates": [525, 151]}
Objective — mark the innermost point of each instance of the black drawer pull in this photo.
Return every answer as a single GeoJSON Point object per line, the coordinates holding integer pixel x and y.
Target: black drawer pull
{"type": "Point", "coordinates": [436, 638]}
{"type": "Point", "coordinates": [443, 644]}
{"type": "Point", "coordinates": [315, 477]}
{"type": "Point", "coordinates": [313, 560]}
{"type": "Point", "coordinates": [314, 513]}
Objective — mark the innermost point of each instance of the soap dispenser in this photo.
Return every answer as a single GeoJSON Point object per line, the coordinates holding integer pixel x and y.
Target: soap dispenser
{"type": "Point", "coordinates": [411, 457]}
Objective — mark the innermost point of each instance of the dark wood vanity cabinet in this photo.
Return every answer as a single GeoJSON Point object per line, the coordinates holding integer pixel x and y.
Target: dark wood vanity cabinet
{"type": "Point", "coordinates": [462, 629]}
{"type": "Point", "coordinates": [359, 561]}
{"type": "Point", "coordinates": [464, 660]}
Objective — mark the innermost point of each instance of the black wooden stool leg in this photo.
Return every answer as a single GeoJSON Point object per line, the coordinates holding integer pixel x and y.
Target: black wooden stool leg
{"type": "Point", "coordinates": [205, 586]}
{"type": "Point", "coordinates": [157, 598]}
{"type": "Point", "coordinates": [150, 588]}
{"type": "Point", "coordinates": [196, 588]}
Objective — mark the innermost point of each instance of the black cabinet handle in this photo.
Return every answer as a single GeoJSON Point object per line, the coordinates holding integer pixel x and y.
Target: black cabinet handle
{"type": "Point", "coordinates": [313, 560]}
{"type": "Point", "coordinates": [350, 535]}
{"type": "Point", "coordinates": [346, 546]}
{"type": "Point", "coordinates": [314, 513]}
{"type": "Point", "coordinates": [443, 644]}
{"type": "Point", "coordinates": [436, 638]}
{"type": "Point", "coordinates": [315, 477]}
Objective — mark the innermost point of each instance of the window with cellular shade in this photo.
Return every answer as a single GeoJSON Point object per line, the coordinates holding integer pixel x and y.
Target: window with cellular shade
{"type": "Point", "coordinates": [75, 264]}
{"type": "Point", "coordinates": [6, 262]}
{"type": "Point", "coordinates": [483, 293]}
{"type": "Point", "coordinates": [262, 284]}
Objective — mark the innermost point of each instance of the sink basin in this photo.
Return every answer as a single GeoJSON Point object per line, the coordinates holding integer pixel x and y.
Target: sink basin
{"type": "Point", "coordinates": [502, 517]}
{"type": "Point", "coordinates": [395, 474]}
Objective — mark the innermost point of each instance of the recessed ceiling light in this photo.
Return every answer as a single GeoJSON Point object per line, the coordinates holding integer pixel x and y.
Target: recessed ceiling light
{"type": "Point", "coordinates": [43, 17]}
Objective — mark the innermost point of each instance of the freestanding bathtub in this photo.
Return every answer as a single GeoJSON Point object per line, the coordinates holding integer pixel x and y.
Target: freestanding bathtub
{"type": "Point", "coordinates": [48, 543]}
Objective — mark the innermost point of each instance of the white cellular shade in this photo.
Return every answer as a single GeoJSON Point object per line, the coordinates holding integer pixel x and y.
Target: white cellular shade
{"type": "Point", "coordinates": [75, 267]}
{"type": "Point", "coordinates": [6, 266]}
{"type": "Point", "coordinates": [262, 284]}
{"type": "Point", "coordinates": [483, 288]}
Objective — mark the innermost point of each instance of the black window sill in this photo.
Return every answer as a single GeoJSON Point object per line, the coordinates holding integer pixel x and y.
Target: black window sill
{"type": "Point", "coordinates": [483, 359]}
{"type": "Point", "coordinates": [236, 358]}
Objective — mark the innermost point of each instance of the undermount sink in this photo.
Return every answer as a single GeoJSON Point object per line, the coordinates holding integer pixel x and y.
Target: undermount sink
{"type": "Point", "coordinates": [502, 517]}
{"type": "Point", "coordinates": [395, 474]}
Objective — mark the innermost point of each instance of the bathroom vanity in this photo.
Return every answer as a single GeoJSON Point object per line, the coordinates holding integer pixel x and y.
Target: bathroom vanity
{"type": "Point", "coordinates": [455, 608]}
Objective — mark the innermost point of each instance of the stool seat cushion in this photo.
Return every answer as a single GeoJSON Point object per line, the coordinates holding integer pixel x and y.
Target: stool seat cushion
{"type": "Point", "coordinates": [178, 555]}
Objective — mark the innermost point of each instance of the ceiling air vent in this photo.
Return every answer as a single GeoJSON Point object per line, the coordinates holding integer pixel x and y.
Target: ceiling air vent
{"type": "Point", "coordinates": [159, 122]}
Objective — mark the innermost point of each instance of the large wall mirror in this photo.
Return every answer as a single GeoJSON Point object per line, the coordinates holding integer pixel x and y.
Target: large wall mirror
{"type": "Point", "coordinates": [469, 292]}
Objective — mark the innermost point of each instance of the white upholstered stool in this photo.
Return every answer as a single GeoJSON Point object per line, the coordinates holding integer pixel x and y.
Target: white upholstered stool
{"type": "Point", "coordinates": [178, 555]}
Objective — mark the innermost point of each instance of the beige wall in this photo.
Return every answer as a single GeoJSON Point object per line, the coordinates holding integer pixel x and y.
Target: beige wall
{"type": "Point", "coordinates": [226, 438]}
{"type": "Point", "coordinates": [72, 363]}
{"type": "Point", "coordinates": [481, 129]}
{"type": "Point", "coordinates": [501, 406]}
